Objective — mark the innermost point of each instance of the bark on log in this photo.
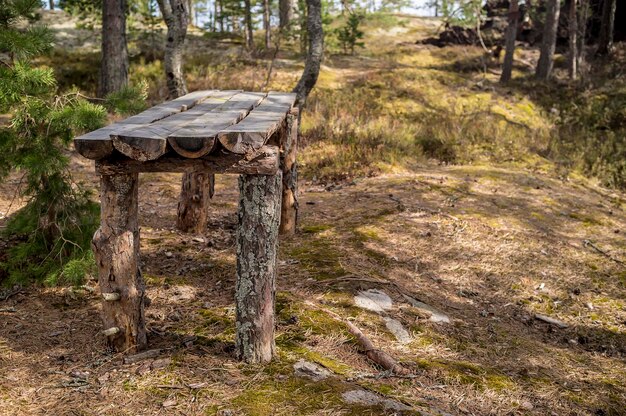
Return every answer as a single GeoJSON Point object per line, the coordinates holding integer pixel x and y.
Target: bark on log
{"type": "Point", "coordinates": [264, 162]}
{"type": "Point", "coordinates": [114, 62]}
{"type": "Point", "coordinates": [116, 248]}
{"type": "Point", "coordinates": [257, 246]}
{"type": "Point", "coordinates": [548, 43]}
{"type": "Point", "coordinates": [289, 145]}
{"type": "Point", "coordinates": [195, 194]}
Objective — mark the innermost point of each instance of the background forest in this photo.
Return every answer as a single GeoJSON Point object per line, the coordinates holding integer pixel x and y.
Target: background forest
{"type": "Point", "coordinates": [470, 165]}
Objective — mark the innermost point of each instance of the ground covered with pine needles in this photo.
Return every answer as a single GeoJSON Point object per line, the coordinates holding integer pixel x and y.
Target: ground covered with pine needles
{"type": "Point", "coordinates": [423, 179]}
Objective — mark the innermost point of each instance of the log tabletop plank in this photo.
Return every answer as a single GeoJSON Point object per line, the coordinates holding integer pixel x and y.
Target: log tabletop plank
{"type": "Point", "coordinates": [97, 144]}
{"type": "Point", "coordinates": [253, 132]}
{"type": "Point", "coordinates": [198, 138]}
{"type": "Point", "coordinates": [149, 141]}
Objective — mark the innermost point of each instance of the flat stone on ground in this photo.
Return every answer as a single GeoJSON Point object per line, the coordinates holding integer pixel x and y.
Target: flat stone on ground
{"type": "Point", "coordinates": [436, 314]}
{"type": "Point", "coordinates": [307, 369]}
{"type": "Point", "coordinates": [374, 300]}
{"type": "Point", "coordinates": [368, 398]}
{"type": "Point", "coordinates": [397, 329]}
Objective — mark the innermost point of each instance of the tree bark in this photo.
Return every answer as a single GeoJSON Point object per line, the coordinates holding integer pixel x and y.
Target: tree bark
{"type": "Point", "coordinates": [511, 35]}
{"type": "Point", "coordinates": [176, 18]}
{"type": "Point", "coordinates": [572, 58]}
{"type": "Point", "coordinates": [257, 246]}
{"type": "Point", "coordinates": [116, 248]}
{"type": "Point", "coordinates": [249, 29]}
{"type": "Point", "coordinates": [51, 2]}
{"type": "Point", "coordinates": [314, 55]}
{"type": "Point", "coordinates": [114, 62]}
{"type": "Point", "coordinates": [190, 12]}
{"type": "Point", "coordinates": [196, 191]}
{"type": "Point", "coordinates": [285, 12]}
{"type": "Point", "coordinates": [605, 40]}
{"type": "Point", "coordinates": [266, 24]}
{"type": "Point", "coordinates": [548, 43]}
{"type": "Point", "coordinates": [583, 15]}
{"type": "Point", "coordinates": [288, 165]}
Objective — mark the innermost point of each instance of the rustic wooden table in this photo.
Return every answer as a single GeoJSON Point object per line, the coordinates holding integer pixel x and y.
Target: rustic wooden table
{"type": "Point", "coordinates": [247, 133]}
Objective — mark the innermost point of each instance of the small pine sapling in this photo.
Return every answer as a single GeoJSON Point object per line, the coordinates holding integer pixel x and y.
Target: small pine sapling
{"type": "Point", "coordinates": [350, 35]}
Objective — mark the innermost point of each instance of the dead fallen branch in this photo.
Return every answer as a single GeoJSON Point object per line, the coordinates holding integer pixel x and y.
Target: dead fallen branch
{"type": "Point", "coordinates": [551, 321]}
{"type": "Point", "coordinates": [378, 356]}
{"type": "Point", "coordinates": [589, 243]}
{"type": "Point", "coordinates": [142, 356]}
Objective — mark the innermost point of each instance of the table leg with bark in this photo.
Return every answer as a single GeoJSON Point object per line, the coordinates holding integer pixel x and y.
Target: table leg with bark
{"type": "Point", "coordinates": [116, 248]}
{"type": "Point", "coordinates": [289, 147]}
{"type": "Point", "coordinates": [257, 247]}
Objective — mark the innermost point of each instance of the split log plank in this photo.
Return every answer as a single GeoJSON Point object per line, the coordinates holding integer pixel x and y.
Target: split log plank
{"type": "Point", "coordinates": [254, 131]}
{"type": "Point", "coordinates": [97, 144]}
{"type": "Point", "coordinates": [149, 142]}
{"type": "Point", "coordinates": [264, 162]}
{"type": "Point", "coordinates": [198, 138]}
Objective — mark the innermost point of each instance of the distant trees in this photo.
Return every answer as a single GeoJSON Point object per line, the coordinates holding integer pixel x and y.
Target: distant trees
{"type": "Point", "coordinates": [510, 36]}
{"type": "Point", "coordinates": [548, 43]}
{"type": "Point", "coordinates": [114, 62]}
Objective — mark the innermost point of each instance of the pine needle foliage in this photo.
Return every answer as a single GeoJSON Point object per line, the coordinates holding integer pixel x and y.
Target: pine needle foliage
{"type": "Point", "coordinates": [56, 225]}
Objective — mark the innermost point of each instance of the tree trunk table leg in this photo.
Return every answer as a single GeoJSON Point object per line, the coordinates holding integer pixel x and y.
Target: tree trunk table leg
{"type": "Point", "coordinates": [289, 147]}
{"type": "Point", "coordinates": [257, 246]}
{"type": "Point", "coordinates": [193, 204]}
{"type": "Point", "coordinates": [116, 248]}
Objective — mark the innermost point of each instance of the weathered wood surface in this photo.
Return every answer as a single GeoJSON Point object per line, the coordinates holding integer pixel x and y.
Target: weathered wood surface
{"type": "Point", "coordinates": [264, 162]}
{"type": "Point", "coordinates": [289, 145]}
{"type": "Point", "coordinates": [98, 144]}
{"type": "Point", "coordinates": [257, 246]}
{"type": "Point", "coordinates": [116, 248]}
{"type": "Point", "coordinates": [198, 137]}
{"type": "Point", "coordinates": [254, 131]}
{"type": "Point", "coordinates": [149, 141]}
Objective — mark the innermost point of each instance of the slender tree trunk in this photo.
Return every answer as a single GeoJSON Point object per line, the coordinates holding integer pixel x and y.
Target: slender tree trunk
{"type": "Point", "coordinates": [248, 22]}
{"type": "Point", "coordinates": [285, 11]}
{"type": "Point", "coordinates": [572, 58]}
{"type": "Point", "coordinates": [221, 15]}
{"type": "Point", "coordinates": [511, 35]}
{"type": "Point", "coordinates": [315, 53]}
{"type": "Point", "coordinates": [605, 40]}
{"type": "Point", "coordinates": [548, 43]}
{"type": "Point", "coordinates": [266, 24]}
{"type": "Point", "coordinates": [176, 19]}
{"type": "Point", "coordinates": [114, 62]}
{"type": "Point", "coordinates": [583, 15]}
{"type": "Point", "coordinates": [190, 12]}
{"type": "Point", "coordinates": [51, 2]}
{"type": "Point", "coordinates": [303, 30]}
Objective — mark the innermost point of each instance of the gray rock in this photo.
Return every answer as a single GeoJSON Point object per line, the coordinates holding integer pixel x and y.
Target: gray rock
{"type": "Point", "coordinates": [436, 314]}
{"type": "Point", "coordinates": [307, 369]}
{"type": "Point", "coordinates": [397, 329]}
{"type": "Point", "coordinates": [368, 398]}
{"type": "Point", "coordinates": [374, 300]}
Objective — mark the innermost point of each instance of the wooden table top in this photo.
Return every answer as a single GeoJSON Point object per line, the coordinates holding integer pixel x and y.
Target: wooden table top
{"type": "Point", "coordinates": [193, 126]}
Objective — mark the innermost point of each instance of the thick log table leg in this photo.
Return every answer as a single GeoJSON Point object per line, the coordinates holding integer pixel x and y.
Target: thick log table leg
{"type": "Point", "coordinates": [116, 247]}
{"type": "Point", "coordinates": [289, 146]}
{"type": "Point", "coordinates": [257, 245]}
{"type": "Point", "coordinates": [193, 204]}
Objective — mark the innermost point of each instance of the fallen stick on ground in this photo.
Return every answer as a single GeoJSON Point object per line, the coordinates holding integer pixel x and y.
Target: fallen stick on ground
{"type": "Point", "coordinates": [380, 357]}
{"type": "Point", "coordinates": [599, 250]}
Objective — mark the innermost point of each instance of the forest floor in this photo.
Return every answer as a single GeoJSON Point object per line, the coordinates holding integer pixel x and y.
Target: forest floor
{"type": "Point", "coordinates": [488, 246]}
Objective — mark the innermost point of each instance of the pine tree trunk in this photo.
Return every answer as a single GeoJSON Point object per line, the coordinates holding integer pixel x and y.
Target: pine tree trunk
{"type": "Point", "coordinates": [221, 14]}
{"type": "Point", "coordinates": [176, 19]}
{"type": "Point", "coordinates": [572, 58]}
{"type": "Point", "coordinates": [190, 12]}
{"type": "Point", "coordinates": [548, 43]}
{"type": "Point", "coordinates": [257, 247]}
{"type": "Point", "coordinates": [285, 11]}
{"type": "Point", "coordinates": [582, 34]}
{"type": "Point", "coordinates": [116, 248]}
{"type": "Point", "coordinates": [266, 24]}
{"type": "Point", "coordinates": [249, 29]}
{"type": "Point", "coordinates": [51, 3]}
{"type": "Point", "coordinates": [511, 35]}
{"type": "Point", "coordinates": [315, 53]}
{"type": "Point", "coordinates": [605, 40]}
{"type": "Point", "coordinates": [114, 62]}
